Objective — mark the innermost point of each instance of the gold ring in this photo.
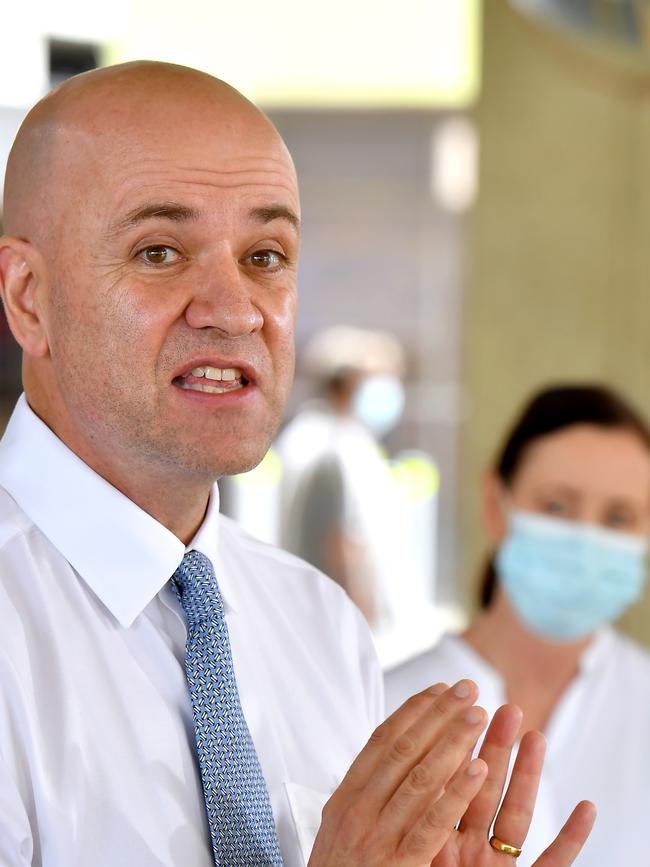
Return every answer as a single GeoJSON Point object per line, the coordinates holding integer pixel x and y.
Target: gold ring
{"type": "Point", "coordinates": [506, 848]}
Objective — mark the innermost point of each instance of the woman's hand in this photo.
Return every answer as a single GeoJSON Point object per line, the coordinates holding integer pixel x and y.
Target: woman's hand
{"type": "Point", "coordinates": [413, 798]}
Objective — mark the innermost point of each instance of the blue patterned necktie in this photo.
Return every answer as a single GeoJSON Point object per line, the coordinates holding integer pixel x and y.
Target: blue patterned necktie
{"type": "Point", "coordinates": [237, 801]}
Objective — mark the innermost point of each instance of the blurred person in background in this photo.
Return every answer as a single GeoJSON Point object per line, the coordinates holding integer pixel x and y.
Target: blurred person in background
{"type": "Point", "coordinates": [338, 505]}
{"type": "Point", "coordinates": [567, 509]}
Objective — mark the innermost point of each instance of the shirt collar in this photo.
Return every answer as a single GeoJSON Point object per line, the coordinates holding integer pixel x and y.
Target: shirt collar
{"type": "Point", "coordinates": [206, 540]}
{"type": "Point", "coordinates": [123, 554]}
{"type": "Point", "coordinates": [597, 651]}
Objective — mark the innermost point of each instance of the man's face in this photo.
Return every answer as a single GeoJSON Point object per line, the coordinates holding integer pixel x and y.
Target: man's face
{"type": "Point", "coordinates": [174, 293]}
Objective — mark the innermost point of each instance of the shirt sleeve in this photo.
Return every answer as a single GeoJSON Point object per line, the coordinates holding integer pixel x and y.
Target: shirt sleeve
{"type": "Point", "coordinates": [16, 843]}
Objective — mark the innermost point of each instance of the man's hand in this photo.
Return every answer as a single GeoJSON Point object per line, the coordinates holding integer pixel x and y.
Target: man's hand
{"type": "Point", "coordinates": [402, 800]}
{"type": "Point", "coordinates": [409, 786]}
{"type": "Point", "coordinates": [469, 845]}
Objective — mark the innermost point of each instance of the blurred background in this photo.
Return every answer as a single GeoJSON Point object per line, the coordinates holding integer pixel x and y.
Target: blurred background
{"type": "Point", "coordinates": [475, 181]}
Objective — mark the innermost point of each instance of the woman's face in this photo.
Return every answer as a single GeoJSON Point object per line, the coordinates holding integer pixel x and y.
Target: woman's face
{"type": "Point", "coordinates": [587, 473]}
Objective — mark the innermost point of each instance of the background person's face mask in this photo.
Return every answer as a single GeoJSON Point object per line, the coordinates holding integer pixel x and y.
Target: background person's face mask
{"type": "Point", "coordinates": [565, 579]}
{"type": "Point", "coordinates": [378, 402]}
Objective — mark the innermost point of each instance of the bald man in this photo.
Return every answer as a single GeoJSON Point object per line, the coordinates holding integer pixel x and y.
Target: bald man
{"type": "Point", "coordinates": [173, 692]}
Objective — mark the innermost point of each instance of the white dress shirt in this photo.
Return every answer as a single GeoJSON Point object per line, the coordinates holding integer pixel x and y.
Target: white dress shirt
{"type": "Point", "coordinates": [97, 753]}
{"type": "Point", "coordinates": [598, 741]}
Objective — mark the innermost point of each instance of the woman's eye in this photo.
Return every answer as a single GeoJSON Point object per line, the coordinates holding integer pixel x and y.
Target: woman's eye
{"type": "Point", "coordinates": [619, 519]}
{"type": "Point", "coordinates": [268, 260]}
{"type": "Point", "coordinates": [159, 254]}
{"type": "Point", "coordinates": [554, 507]}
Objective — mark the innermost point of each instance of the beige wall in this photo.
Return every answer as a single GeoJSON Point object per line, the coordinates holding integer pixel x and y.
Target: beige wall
{"type": "Point", "coordinates": [560, 276]}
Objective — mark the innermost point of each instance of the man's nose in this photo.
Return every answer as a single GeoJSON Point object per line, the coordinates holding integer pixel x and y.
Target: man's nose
{"type": "Point", "coordinates": [223, 299]}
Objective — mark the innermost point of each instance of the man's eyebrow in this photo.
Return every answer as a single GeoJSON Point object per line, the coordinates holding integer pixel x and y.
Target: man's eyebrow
{"type": "Point", "coordinates": [158, 210]}
{"type": "Point", "coordinates": [276, 212]}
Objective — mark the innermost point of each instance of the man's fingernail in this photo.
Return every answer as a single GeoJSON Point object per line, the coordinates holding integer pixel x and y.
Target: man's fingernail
{"type": "Point", "coordinates": [474, 715]}
{"type": "Point", "coordinates": [462, 689]}
{"type": "Point", "coordinates": [475, 768]}
{"type": "Point", "coordinates": [438, 689]}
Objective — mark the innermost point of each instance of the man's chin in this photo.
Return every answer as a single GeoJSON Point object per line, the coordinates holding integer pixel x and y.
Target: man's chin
{"type": "Point", "coordinates": [226, 463]}
{"type": "Point", "coordinates": [236, 469]}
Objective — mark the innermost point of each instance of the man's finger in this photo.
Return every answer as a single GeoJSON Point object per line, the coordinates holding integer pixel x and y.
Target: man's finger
{"type": "Point", "coordinates": [442, 721]}
{"type": "Point", "coordinates": [514, 817]}
{"type": "Point", "coordinates": [396, 724]}
{"type": "Point", "coordinates": [434, 774]}
{"type": "Point", "coordinates": [431, 831]}
{"type": "Point", "coordinates": [463, 766]}
{"type": "Point", "coordinates": [495, 752]}
{"type": "Point", "coordinates": [567, 845]}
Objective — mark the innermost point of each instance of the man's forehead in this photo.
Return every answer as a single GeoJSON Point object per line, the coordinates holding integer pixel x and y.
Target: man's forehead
{"type": "Point", "coordinates": [139, 179]}
{"type": "Point", "coordinates": [177, 212]}
{"type": "Point", "coordinates": [133, 189]}
{"type": "Point", "coordinates": [160, 126]}
{"type": "Point", "coordinates": [207, 148]}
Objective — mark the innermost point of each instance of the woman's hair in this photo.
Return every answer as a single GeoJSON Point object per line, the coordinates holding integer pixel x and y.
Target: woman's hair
{"type": "Point", "coordinates": [552, 410]}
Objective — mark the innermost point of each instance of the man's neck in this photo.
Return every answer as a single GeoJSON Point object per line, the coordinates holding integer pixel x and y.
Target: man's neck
{"type": "Point", "coordinates": [173, 495]}
{"type": "Point", "coordinates": [176, 504]}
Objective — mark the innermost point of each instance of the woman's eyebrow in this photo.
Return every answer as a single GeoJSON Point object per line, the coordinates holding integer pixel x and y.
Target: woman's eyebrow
{"type": "Point", "coordinates": [560, 489]}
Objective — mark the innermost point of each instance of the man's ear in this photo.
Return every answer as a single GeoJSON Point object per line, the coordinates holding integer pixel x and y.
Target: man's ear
{"type": "Point", "coordinates": [23, 275]}
{"type": "Point", "coordinates": [493, 512]}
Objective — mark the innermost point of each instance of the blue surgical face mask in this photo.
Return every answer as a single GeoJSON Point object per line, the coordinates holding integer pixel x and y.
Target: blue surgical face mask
{"type": "Point", "coordinates": [378, 402]}
{"type": "Point", "coordinates": [565, 579]}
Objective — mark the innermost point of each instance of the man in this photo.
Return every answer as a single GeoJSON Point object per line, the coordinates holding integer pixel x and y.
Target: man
{"type": "Point", "coordinates": [148, 273]}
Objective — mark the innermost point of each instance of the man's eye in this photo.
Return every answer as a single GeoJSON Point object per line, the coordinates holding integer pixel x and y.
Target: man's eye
{"type": "Point", "coordinates": [268, 260]}
{"type": "Point", "coordinates": [159, 254]}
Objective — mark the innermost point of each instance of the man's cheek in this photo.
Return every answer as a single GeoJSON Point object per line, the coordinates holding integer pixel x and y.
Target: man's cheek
{"type": "Point", "coordinates": [282, 312]}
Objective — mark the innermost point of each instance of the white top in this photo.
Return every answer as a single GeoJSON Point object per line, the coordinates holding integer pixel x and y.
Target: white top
{"type": "Point", "coordinates": [97, 756]}
{"type": "Point", "coordinates": [598, 741]}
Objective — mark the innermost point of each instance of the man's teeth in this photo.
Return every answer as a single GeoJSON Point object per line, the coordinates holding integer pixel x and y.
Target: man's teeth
{"type": "Point", "coordinates": [232, 375]}
{"type": "Point", "coordinates": [228, 374]}
{"type": "Point", "coordinates": [211, 389]}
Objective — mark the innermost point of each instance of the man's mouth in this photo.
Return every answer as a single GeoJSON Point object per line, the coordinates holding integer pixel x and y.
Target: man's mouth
{"type": "Point", "coordinates": [213, 380]}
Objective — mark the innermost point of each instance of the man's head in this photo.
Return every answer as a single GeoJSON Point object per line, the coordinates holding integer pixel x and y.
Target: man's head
{"type": "Point", "coordinates": [151, 218]}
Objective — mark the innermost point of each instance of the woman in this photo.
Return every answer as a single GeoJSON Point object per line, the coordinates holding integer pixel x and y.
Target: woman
{"type": "Point", "coordinates": [567, 510]}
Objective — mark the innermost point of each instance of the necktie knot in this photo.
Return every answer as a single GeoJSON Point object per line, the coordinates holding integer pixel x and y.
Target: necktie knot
{"type": "Point", "coordinates": [196, 586]}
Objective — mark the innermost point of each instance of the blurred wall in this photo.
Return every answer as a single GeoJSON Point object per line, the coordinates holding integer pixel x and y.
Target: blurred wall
{"type": "Point", "coordinates": [560, 255]}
